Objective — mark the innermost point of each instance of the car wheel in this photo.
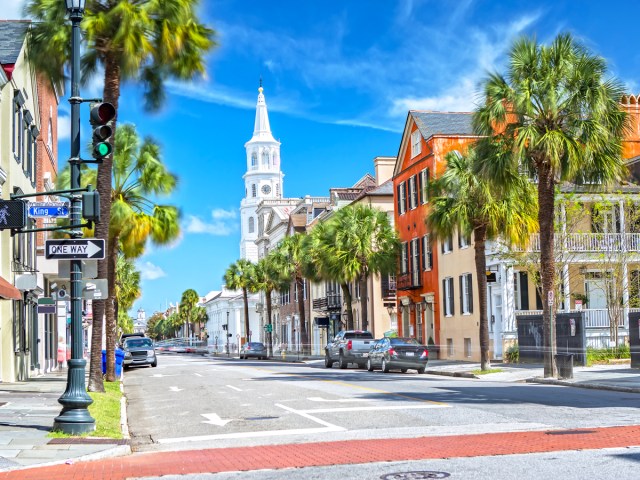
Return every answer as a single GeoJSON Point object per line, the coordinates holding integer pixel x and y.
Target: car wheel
{"type": "Point", "coordinates": [403, 370]}
{"type": "Point", "coordinates": [328, 363]}
{"type": "Point", "coordinates": [421, 370]}
{"type": "Point", "coordinates": [369, 365]}
{"type": "Point", "coordinates": [385, 366]}
{"type": "Point", "coordinates": [342, 363]}
{"type": "Point", "coordinates": [155, 363]}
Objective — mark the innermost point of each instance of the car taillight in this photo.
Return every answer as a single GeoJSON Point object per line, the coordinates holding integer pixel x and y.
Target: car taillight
{"type": "Point", "coordinates": [425, 353]}
{"type": "Point", "coordinates": [349, 345]}
{"type": "Point", "coordinates": [392, 352]}
{"type": "Point", "coordinates": [248, 347]}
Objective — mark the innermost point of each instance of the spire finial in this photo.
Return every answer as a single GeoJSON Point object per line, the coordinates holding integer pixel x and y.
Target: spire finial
{"type": "Point", "coordinates": [260, 88]}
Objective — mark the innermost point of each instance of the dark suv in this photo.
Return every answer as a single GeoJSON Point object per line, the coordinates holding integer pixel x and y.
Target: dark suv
{"type": "Point", "coordinates": [139, 351]}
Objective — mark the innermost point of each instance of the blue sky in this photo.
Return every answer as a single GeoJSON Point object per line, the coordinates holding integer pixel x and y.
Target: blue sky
{"type": "Point", "coordinates": [339, 77]}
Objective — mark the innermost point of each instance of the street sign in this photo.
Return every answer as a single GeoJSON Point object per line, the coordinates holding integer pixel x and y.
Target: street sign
{"type": "Point", "coordinates": [46, 305]}
{"type": "Point", "coordinates": [13, 214]}
{"type": "Point", "coordinates": [48, 209]}
{"type": "Point", "coordinates": [74, 249]}
{"type": "Point", "coordinates": [95, 289]}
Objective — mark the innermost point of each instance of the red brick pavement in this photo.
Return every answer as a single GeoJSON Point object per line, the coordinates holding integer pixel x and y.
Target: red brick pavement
{"type": "Point", "coordinates": [333, 453]}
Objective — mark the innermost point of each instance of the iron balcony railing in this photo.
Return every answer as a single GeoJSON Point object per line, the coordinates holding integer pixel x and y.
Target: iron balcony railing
{"type": "Point", "coordinates": [592, 242]}
{"type": "Point", "coordinates": [408, 281]}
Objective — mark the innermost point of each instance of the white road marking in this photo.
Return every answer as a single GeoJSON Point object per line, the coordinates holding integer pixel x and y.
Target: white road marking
{"type": "Point", "coordinates": [341, 400]}
{"type": "Point", "coordinates": [214, 419]}
{"type": "Point", "coordinates": [234, 388]}
{"type": "Point", "coordinates": [197, 374]}
{"type": "Point", "coordinates": [175, 389]}
{"type": "Point", "coordinates": [366, 409]}
{"type": "Point", "coordinates": [159, 375]}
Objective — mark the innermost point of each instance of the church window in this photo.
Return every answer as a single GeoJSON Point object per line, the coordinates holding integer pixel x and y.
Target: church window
{"type": "Point", "coordinates": [254, 160]}
{"type": "Point", "coordinates": [253, 190]}
{"type": "Point", "coordinates": [251, 224]}
{"type": "Point", "coordinates": [265, 158]}
{"type": "Point", "coordinates": [275, 159]}
{"type": "Point", "coordinates": [277, 190]}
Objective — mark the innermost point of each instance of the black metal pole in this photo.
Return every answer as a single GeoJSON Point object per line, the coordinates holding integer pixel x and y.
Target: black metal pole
{"type": "Point", "coordinates": [75, 418]}
{"type": "Point", "coordinates": [228, 351]}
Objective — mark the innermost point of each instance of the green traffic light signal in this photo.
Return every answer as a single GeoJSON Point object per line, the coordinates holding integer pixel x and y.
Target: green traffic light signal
{"type": "Point", "coordinates": [101, 115]}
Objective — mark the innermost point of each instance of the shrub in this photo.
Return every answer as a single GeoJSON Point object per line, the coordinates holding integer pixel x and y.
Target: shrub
{"type": "Point", "coordinates": [603, 355]}
{"type": "Point", "coordinates": [513, 354]}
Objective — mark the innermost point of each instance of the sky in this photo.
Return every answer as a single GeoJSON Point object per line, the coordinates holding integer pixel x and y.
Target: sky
{"type": "Point", "coordinates": [339, 77]}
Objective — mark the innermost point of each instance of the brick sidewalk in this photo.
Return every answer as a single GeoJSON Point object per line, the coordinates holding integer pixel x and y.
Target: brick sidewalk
{"type": "Point", "coordinates": [332, 453]}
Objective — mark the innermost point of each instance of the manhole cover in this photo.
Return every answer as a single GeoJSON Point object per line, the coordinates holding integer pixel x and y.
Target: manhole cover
{"type": "Point", "coordinates": [414, 475]}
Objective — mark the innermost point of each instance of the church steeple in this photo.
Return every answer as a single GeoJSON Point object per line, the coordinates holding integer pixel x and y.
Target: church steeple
{"type": "Point", "coordinates": [261, 128]}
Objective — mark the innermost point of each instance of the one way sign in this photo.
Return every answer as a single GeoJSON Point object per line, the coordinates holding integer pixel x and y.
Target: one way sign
{"type": "Point", "coordinates": [74, 249]}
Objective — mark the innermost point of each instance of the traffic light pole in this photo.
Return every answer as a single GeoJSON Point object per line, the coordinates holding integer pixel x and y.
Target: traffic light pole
{"type": "Point", "coordinates": [75, 418]}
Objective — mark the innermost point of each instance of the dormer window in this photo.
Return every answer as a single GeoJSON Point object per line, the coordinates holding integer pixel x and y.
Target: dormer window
{"type": "Point", "coordinates": [416, 143]}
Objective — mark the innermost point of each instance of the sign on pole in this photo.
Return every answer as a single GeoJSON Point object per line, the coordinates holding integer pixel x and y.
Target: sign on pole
{"type": "Point", "coordinates": [46, 305]}
{"type": "Point", "coordinates": [48, 209]}
{"type": "Point", "coordinates": [74, 249]}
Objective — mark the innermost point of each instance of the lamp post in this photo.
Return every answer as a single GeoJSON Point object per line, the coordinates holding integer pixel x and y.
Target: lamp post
{"type": "Point", "coordinates": [228, 334]}
{"type": "Point", "coordinates": [75, 418]}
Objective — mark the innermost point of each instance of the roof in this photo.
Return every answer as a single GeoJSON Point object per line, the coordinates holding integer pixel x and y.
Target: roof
{"type": "Point", "coordinates": [12, 33]}
{"type": "Point", "coordinates": [442, 123]}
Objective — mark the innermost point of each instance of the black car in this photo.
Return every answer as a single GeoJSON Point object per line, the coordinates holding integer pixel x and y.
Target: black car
{"type": "Point", "coordinates": [398, 353]}
{"type": "Point", "coordinates": [139, 351]}
{"type": "Point", "coordinates": [253, 349]}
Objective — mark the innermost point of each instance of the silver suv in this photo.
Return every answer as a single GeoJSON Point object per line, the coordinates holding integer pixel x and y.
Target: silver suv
{"type": "Point", "coordinates": [139, 351]}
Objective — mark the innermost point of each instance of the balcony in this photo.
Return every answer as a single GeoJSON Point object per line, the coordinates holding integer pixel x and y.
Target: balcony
{"type": "Point", "coordinates": [409, 281]}
{"type": "Point", "coordinates": [331, 302]}
{"type": "Point", "coordinates": [593, 242]}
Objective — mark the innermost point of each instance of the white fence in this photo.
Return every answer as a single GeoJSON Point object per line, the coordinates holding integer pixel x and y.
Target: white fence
{"type": "Point", "coordinates": [594, 317]}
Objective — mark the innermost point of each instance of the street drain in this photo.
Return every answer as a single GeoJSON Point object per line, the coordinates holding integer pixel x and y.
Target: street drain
{"type": "Point", "coordinates": [260, 418]}
{"type": "Point", "coordinates": [571, 432]}
{"type": "Point", "coordinates": [414, 475]}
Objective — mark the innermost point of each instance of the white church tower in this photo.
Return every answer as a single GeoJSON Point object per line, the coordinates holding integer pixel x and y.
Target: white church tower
{"type": "Point", "coordinates": [263, 179]}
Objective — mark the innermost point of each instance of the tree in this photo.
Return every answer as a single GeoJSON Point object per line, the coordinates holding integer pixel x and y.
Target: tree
{"type": "Point", "coordinates": [268, 278]}
{"type": "Point", "coordinates": [127, 292]}
{"type": "Point", "coordinates": [146, 42]}
{"type": "Point", "coordinates": [560, 115]}
{"type": "Point", "coordinates": [467, 203]}
{"type": "Point", "coordinates": [188, 309]}
{"type": "Point", "coordinates": [239, 276]}
{"type": "Point", "coordinates": [155, 324]}
{"type": "Point", "coordinates": [139, 177]}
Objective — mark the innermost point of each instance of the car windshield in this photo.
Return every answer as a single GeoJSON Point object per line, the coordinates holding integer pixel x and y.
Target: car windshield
{"type": "Point", "coordinates": [138, 342]}
{"type": "Point", "coordinates": [358, 335]}
{"type": "Point", "coordinates": [404, 341]}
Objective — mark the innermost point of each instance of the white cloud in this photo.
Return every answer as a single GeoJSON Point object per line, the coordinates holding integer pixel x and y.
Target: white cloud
{"type": "Point", "coordinates": [149, 271]}
{"type": "Point", "coordinates": [223, 223]}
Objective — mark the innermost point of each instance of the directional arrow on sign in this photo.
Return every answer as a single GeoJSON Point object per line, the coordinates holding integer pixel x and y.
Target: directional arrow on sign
{"type": "Point", "coordinates": [75, 248]}
{"type": "Point", "coordinates": [214, 419]}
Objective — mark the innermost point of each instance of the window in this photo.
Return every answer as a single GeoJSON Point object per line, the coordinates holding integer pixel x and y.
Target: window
{"type": "Point", "coordinates": [467, 347]}
{"type": "Point", "coordinates": [521, 290]}
{"type": "Point", "coordinates": [427, 254]}
{"type": "Point", "coordinates": [413, 193]}
{"type": "Point", "coordinates": [464, 239]}
{"type": "Point", "coordinates": [254, 160]}
{"type": "Point", "coordinates": [402, 198]}
{"type": "Point", "coordinates": [424, 186]}
{"type": "Point", "coordinates": [416, 143]}
{"type": "Point", "coordinates": [415, 262]}
{"type": "Point", "coordinates": [251, 224]}
{"type": "Point", "coordinates": [265, 158]}
{"type": "Point", "coordinates": [447, 287]}
{"type": "Point", "coordinates": [253, 190]}
{"type": "Point", "coordinates": [466, 294]}
{"type": "Point", "coordinates": [284, 297]}
{"type": "Point", "coordinates": [404, 258]}
{"type": "Point", "coordinates": [450, 347]}
{"type": "Point", "coordinates": [447, 244]}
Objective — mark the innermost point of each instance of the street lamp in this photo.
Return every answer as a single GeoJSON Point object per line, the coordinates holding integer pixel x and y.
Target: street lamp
{"type": "Point", "coordinates": [74, 418]}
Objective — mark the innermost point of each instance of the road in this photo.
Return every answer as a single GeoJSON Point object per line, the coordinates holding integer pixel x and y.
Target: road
{"type": "Point", "coordinates": [198, 402]}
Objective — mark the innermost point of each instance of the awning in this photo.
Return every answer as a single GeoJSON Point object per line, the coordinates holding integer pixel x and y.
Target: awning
{"type": "Point", "coordinates": [8, 291]}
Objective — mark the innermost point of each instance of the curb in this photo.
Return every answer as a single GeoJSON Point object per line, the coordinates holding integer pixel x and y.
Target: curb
{"type": "Point", "coordinates": [451, 374]}
{"type": "Point", "coordinates": [590, 386]}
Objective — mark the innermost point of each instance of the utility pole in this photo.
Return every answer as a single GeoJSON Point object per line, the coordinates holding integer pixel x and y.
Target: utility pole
{"type": "Point", "coordinates": [75, 418]}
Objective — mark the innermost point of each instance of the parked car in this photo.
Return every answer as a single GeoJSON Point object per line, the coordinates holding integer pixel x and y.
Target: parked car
{"type": "Point", "coordinates": [348, 346]}
{"type": "Point", "coordinates": [398, 353]}
{"type": "Point", "coordinates": [253, 349]}
{"type": "Point", "coordinates": [124, 336]}
{"type": "Point", "coordinates": [139, 351]}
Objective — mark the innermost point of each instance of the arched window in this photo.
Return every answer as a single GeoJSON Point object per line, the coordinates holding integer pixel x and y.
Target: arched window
{"type": "Point", "coordinates": [253, 190]}
{"type": "Point", "coordinates": [254, 160]}
{"type": "Point", "coordinates": [251, 225]}
{"type": "Point", "coordinates": [265, 158]}
{"type": "Point", "coordinates": [275, 159]}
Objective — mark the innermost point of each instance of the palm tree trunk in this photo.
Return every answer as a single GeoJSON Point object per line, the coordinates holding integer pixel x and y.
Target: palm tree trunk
{"type": "Point", "coordinates": [364, 300]}
{"type": "Point", "coordinates": [110, 304]}
{"type": "Point", "coordinates": [546, 213]}
{"type": "Point", "coordinates": [304, 333]}
{"type": "Point", "coordinates": [269, 334]}
{"type": "Point", "coordinates": [348, 300]}
{"type": "Point", "coordinates": [479, 238]}
{"type": "Point", "coordinates": [245, 295]}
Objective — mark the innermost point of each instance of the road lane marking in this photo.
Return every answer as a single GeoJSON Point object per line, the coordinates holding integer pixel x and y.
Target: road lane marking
{"type": "Point", "coordinates": [367, 409]}
{"type": "Point", "coordinates": [197, 374]}
{"type": "Point", "coordinates": [341, 400]}
{"type": "Point", "coordinates": [214, 419]}
{"type": "Point", "coordinates": [304, 414]}
{"type": "Point", "coordinates": [234, 388]}
{"type": "Point", "coordinates": [176, 389]}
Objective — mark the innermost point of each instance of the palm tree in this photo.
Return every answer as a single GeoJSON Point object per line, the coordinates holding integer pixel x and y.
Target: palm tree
{"type": "Point", "coordinates": [127, 289]}
{"type": "Point", "coordinates": [239, 276]}
{"type": "Point", "coordinates": [139, 177]}
{"type": "Point", "coordinates": [188, 312]}
{"type": "Point", "coordinates": [464, 202]}
{"type": "Point", "coordinates": [268, 278]}
{"type": "Point", "coordinates": [294, 259]}
{"type": "Point", "coordinates": [365, 243]}
{"type": "Point", "coordinates": [559, 112]}
{"type": "Point", "coordinates": [146, 42]}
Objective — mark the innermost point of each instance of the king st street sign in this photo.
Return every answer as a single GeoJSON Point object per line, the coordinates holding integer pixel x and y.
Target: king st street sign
{"type": "Point", "coordinates": [48, 209]}
{"type": "Point", "coordinates": [74, 249]}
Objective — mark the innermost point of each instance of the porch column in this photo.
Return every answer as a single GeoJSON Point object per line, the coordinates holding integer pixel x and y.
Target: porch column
{"type": "Point", "coordinates": [508, 301]}
{"type": "Point", "coordinates": [567, 287]}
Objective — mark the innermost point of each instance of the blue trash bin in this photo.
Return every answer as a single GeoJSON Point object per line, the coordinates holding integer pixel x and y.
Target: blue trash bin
{"type": "Point", "coordinates": [104, 362]}
{"type": "Point", "coordinates": [119, 360]}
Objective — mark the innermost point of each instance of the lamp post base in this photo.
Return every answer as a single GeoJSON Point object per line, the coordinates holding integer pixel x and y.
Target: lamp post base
{"type": "Point", "coordinates": [75, 418]}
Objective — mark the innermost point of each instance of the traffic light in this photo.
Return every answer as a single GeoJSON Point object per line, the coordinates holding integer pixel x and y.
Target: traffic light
{"type": "Point", "coordinates": [91, 206]}
{"type": "Point", "coordinates": [101, 116]}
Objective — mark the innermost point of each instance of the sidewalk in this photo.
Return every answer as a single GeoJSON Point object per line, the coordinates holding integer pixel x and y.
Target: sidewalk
{"type": "Point", "coordinates": [27, 409]}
